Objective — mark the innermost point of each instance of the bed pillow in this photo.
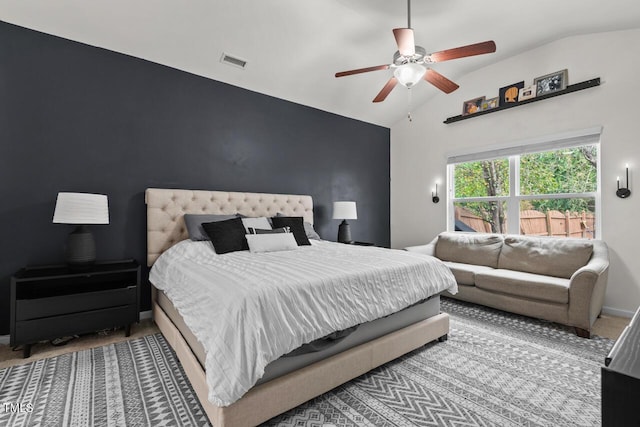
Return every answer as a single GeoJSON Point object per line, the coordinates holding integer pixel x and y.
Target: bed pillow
{"type": "Point", "coordinates": [308, 228]}
{"type": "Point", "coordinates": [310, 231]}
{"type": "Point", "coordinates": [295, 224]}
{"type": "Point", "coordinates": [260, 222]}
{"type": "Point", "coordinates": [273, 231]}
{"type": "Point", "coordinates": [227, 236]}
{"type": "Point", "coordinates": [194, 224]}
{"type": "Point", "coordinates": [272, 242]}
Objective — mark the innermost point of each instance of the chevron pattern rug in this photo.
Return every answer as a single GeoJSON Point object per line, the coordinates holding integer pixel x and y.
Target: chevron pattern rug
{"type": "Point", "coordinates": [496, 369]}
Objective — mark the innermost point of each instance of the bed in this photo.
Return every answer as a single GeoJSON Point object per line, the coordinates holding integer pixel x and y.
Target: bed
{"type": "Point", "coordinates": [288, 381]}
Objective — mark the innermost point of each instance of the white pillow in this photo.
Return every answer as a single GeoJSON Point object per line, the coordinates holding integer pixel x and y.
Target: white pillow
{"type": "Point", "coordinates": [271, 242]}
{"type": "Point", "coordinates": [260, 222]}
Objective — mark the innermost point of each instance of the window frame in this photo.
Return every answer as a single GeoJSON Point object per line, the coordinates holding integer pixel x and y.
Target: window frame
{"type": "Point", "coordinates": [512, 201]}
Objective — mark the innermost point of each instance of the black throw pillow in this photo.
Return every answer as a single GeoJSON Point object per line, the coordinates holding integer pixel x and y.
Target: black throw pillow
{"type": "Point", "coordinates": [227, 236]}
{"type": "Point", "coordinates": [295, 224]}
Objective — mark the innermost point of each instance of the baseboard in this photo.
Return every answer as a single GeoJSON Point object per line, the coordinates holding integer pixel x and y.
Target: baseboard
{"type": "Point", "coordinates": [5, 339]}
{"type": "Point", "coordinates": [617, 312]}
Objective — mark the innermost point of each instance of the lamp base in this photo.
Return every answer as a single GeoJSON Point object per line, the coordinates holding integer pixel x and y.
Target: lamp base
{"type": "Point", "coordinates": [344, 232]}
{"type": "Point", "coordinates": [81, 248]}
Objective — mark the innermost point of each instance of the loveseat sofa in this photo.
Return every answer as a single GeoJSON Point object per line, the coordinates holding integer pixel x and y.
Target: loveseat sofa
{"type": "Point", "coordinates": [557, 279]}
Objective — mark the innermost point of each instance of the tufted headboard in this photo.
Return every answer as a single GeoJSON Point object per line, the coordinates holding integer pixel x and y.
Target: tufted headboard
{"type": "Point", "coordinates": [166, 207]}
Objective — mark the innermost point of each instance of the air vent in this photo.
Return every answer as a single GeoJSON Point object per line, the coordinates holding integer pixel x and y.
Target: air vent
{"type": "Point", "coordinates": [232, 60]}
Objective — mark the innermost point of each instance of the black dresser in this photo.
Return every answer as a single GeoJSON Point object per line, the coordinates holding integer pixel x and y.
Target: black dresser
{"type": "Point", "coordinates": [48, 302]}
{"type": "Point", "coordinates": [621, 379]}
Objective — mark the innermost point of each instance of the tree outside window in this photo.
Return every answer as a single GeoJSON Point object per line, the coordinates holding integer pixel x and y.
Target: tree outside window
{"type": "Point", "coordinates": [546, 193]}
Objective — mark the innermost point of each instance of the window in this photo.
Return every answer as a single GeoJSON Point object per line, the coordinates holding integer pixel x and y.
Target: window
{"type": "Point", "coordinates": [539, 189]}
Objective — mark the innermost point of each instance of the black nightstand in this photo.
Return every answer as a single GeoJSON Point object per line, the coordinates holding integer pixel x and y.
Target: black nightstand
{"type": "Point", "coordinates": [54, 301]}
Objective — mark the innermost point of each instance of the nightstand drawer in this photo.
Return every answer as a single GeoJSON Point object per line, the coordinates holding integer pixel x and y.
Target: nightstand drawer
{"type": "Point", "coordinates": [27, 309]}
{"type": "Point", "coordinates": [71, 324]}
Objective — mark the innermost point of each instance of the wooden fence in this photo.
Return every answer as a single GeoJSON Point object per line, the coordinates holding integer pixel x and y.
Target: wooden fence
{"type": "Point", "coordinates": [473, 221]}
{"type": "Point", "coordinates": [556, 223]}
{"type": "Point", "coordinates": [536, 223]}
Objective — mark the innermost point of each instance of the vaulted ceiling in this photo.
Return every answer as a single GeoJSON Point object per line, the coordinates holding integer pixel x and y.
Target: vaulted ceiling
{"type": "Point", "coordinates": [293, 48]}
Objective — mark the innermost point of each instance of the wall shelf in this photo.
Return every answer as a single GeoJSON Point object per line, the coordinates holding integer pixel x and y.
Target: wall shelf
{"type": "Point", "coordinates": [571, 88]}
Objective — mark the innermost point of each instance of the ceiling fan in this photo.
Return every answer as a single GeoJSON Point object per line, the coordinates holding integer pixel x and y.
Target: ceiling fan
{"type": "Point", "coordinates": [411, 62]}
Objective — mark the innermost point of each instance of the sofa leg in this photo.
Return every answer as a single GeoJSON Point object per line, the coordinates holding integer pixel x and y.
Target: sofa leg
{"type": "Point", "coordinates": [582, 333]}
{"type": "Point", "coordinates": [443, 338]}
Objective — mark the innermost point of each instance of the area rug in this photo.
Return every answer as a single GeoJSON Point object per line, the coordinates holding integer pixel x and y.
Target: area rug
{"type": "Point", "coordinates": [131, 383]}
{"type": "Point", "coordinates": [496, 369]}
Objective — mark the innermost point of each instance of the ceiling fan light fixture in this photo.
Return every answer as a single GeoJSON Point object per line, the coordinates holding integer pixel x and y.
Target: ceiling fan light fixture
{"type": "Point", "coordinates": [409, 74]}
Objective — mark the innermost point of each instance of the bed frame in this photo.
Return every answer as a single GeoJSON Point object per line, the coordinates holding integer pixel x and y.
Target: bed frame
{"type": "Point", "coordinates": [165, 227]}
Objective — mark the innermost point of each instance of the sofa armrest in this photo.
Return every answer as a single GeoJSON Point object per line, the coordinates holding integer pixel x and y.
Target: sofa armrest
{"type": "Point", "coordinates": [428, 249]}
{"type": "Point", "coordinates": [587, 288]}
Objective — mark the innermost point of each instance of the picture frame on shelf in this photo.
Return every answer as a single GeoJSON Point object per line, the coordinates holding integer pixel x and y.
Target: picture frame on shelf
{"type": "Point", "coordinates": [509, 94]}
{"type": "Point", "coordinates": [527, 92]}
{"type": "Point", "coordinates": [550, 83]}
{"type": "Point", "coordinates": [472, 106]}
{"type": "Point", "coordinates": [574, 87]}
{"type": "Point", "coordinates": [491, 103]}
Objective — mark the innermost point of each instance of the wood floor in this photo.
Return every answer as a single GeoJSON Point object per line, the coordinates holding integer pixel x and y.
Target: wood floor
{"type": "Point", "coordinates": [9, 357]}
{"type": "Point", "coordinates": [610, 326]}
{"type": "Point", "coordinates": [605, 326]}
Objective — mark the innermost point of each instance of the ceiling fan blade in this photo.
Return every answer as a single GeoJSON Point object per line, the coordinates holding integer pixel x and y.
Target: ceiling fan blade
{"type": "Point", "coordinates": [405, 40]}
{"type": "Point", "coordinates": [362, 70]}
{"type": "Point", "coordinates": [463, 51]}
{"type": "Point", "coordinates": [440, 81]}
{"type": "Point", "coordinates": [386, 90]}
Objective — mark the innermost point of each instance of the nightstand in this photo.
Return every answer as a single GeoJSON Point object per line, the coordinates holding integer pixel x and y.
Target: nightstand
{"type": "Point", "coordinates": [48, 302]}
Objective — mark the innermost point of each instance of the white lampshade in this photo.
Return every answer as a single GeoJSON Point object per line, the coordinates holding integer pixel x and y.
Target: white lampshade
{"type": "Point", "coordinates": [409, 74]}
{"type": "Point", "coordinates": [81, 208]}
{"type": "Point", "coordinates": [345, 210]}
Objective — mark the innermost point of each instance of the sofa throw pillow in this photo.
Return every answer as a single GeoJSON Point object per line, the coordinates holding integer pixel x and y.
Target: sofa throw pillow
{"type": "Point", "coordinates": [272, 242]}
{"type": "Point", "coordinates": [469, 248]}
{"type": "Point", "coordinates": [227, 236]}
{"type": "Point", "coordinates": [295, 224]}
{"type": "Point", "coordinates": [550, 256]}
{"type": "Point", "coordinates": [194, 224]}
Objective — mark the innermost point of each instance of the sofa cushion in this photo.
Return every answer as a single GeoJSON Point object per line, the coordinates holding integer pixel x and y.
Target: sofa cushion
{"type": "Point", "coordinates": [551, 256]}
{"type": "Point", "coordinates": [469, 248]}
{"type": "Point", "coordinates": [465, 273]}
{"type": "Point", "coordinates": [526, 285]}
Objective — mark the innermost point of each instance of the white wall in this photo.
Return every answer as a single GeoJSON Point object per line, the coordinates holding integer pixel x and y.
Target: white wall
{"type": "Point", "coordinates": [419, 148]}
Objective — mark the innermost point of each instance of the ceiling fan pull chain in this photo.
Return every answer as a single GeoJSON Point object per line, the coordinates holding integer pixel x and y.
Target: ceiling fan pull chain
{"type": "Point", "coordinates": [409, 107]}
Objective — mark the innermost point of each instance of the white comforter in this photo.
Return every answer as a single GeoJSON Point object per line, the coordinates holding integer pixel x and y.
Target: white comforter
{"type": "Point", "coordinates": [249, 309]}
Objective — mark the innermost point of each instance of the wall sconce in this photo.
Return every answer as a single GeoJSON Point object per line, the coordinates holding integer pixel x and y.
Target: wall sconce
{"type": "Point", "coordinates": [434, 194]}
{"type": "Point", "coordinates": [624, 192]}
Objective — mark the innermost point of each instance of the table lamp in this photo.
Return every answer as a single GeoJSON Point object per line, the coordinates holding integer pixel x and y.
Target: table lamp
{"type": "Point", "coordinates": [344, 211]}
{"type": "Point", "coordinates": [81, 209]}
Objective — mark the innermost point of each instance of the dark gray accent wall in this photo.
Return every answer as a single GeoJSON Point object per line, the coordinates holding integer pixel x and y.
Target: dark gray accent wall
{"type": "Point", "coordinates": [79, 118]}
